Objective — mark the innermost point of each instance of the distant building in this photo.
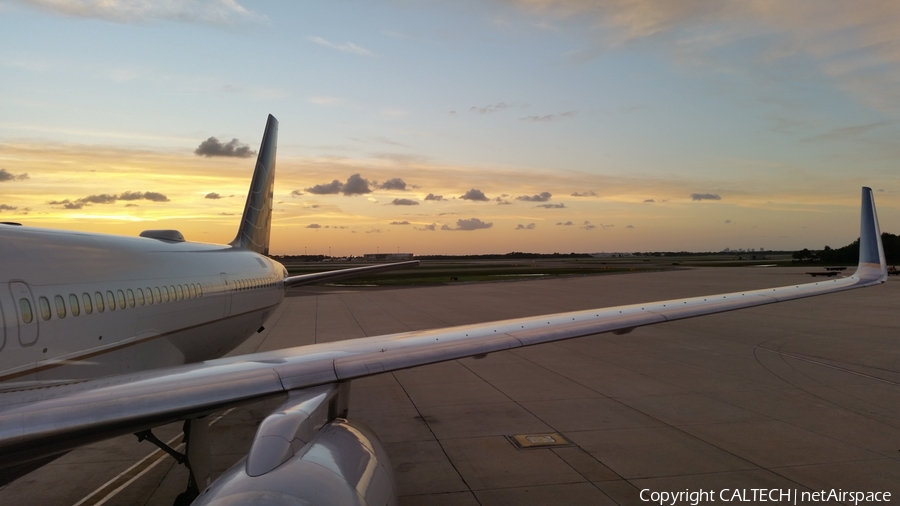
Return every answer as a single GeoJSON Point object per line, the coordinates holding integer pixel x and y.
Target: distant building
{"type": "Point", "coordinates": [611, 255]}
{"type": "Point", "coordinates": [385, 257]}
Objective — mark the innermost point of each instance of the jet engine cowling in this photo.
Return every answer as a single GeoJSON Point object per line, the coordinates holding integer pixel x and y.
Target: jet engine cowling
{"type": "Point", "coordinates": [343, 464]}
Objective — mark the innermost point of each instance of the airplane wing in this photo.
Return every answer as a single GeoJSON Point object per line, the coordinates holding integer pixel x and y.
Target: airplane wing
{"type": "Point", "coordinates": [41, 422]}
{"type": "Point", "coordinates": [353, 272]}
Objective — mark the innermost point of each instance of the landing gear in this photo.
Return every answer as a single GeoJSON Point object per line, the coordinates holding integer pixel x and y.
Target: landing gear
{"type": "Point", "coordinates": [195, 457]}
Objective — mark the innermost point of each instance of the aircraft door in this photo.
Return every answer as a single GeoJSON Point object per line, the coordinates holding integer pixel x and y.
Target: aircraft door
{"type": "Point", "coordinates": [26, 312]}
{"type": "Point", "coordinates": [227, 293]}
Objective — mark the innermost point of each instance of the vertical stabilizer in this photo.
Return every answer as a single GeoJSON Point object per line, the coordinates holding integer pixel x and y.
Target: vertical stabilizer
{"type": "Point", "coordinates": [872, 265]}
{"type": "Point", "coordinates": [257, 219]}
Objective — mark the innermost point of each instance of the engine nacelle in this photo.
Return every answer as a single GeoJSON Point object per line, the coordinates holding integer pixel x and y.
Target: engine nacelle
{"type": "Point", "coordinates": [343, 464]}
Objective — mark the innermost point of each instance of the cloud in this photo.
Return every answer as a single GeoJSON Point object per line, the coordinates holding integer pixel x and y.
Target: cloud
{"type": "Point", "coordinates": [331, 188]}
{"type": "Point", "coordinates": [347, 47]}
{"type": "Point", "coordinates": [566, 224]}
{"type": "Point", "coordinates": [213, 195]}
{"type": "Point", "coordinates": [212, 147]}
{"type": "Point", "coordinates": [103, 198]}
{"type": "Point", "coordinates": [474, 194]}
{"type": "Point", "coordinates": [470, 224]}
{"type": "Point", "coordinates": [845, 133]}
{"type": "Point", "coordinates": [549, 117]}
{"type": "Point", "coordinates": [588, 226]}
{"type": "Point", "coordinates": [530, 226]}
{"type": "Point", "coordinates": [727, 221]}
{"type": "Point", "coordinates": [66, 204]}
{"type": "Point", "coordinates": [630, 226]}
{"type": "Point", "coordinates": [214, 12]}
{"type": "Point", "coordinates": [649, 200]}
{"type": "Point", "coordinates": [298, 193]}
{"type": "Point", "coordinates": [404, 202]}
{"type": "Point", "coordinates": [4, 207]}
{"type": "Point", "coordinates": [393, 184]}
{"type": "Point", "coordinates": [314, 225]}
{"type": "Point", "coordinates": [356, 185]}
{"type": "Point", "coordinates": [543, 197]}
{"type": "Point", "coordinates": [404, 222]}
{"type": "Point", "coordinates": [428, 228]}
{"type": "Point", "coordinates": [151, 196]}
{"type": "Point", "coordinates": [401, 158]}
{"type": "Point", "coordinates": [501, 202]}
{"type": "Point", "coordinates": [373, 231]}
{"type": "Point", "coordinates": [9, 176]}
{"type": "Point", "coordinates": [106, 198]}
{"type": "Point", "coordinates": [490, 109]}
{"type": "Point", "coordinates": [705, 196]}
{"type": "Point", "coordinates": [588, 193]}
{"type": "Point", "coordinates": [552, 206]}
{"type": "Point", "coordinates": [326, 100]}
{"type": "Point", "coordinates": [432, 196]}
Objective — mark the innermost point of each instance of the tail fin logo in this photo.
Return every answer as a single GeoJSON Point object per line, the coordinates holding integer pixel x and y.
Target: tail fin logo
{"type": "Point", "coordinates": [256, 221]}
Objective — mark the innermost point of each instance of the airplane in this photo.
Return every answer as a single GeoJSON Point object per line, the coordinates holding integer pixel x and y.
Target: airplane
{"type": "Point", "coordinates": [107, 335]}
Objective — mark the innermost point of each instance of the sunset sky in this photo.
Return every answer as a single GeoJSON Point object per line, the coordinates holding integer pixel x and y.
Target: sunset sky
{"type": "Point", "coordinates": [456, 127]}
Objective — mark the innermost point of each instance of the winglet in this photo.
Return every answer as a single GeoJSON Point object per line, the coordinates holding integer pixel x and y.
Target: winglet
{"type": "Point", "coordinates": [872, 267]}
{"type": "Point", "coordinates": [257, 219]}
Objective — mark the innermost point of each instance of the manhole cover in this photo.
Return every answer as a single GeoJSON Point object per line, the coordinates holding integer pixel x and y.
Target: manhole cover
{"type": "Point", "coordinates": [538, 440]}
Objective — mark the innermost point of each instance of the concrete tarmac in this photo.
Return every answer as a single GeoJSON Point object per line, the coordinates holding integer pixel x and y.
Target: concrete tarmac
{"type": "Point", "coordinates": [798, 396]}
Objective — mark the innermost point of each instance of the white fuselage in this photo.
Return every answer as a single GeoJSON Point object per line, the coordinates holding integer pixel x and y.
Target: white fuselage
{"type": "Point", "coordinates": [79, 305]}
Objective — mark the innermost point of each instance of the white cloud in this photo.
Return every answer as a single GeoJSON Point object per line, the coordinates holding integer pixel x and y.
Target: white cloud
{"type": "Point", "coordinates": [218, 12]}
{"type": "Point", "coordinates": [347, 47]}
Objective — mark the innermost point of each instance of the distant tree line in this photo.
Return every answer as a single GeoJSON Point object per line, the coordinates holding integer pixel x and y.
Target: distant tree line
{"type": "Point", "coordinates": [849, 254]}
{"type": "Point", "coordinates": [513, 255]}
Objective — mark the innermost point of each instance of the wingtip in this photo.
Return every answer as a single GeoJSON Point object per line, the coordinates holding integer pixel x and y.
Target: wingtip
{"type": "Point", "coordinates": [872, 263]}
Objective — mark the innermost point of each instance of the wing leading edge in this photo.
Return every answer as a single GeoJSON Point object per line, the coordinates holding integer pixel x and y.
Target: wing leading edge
{"type": "Point", "coordinates": [35, 424]}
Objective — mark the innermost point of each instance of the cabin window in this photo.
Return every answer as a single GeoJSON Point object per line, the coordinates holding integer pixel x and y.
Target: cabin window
{"type": "Point", "coordinates": [60, 306]}
{"type": "Point", "coordinates": [86, 299]}
{"type": "Point", "coordinates": [200, 289]}
{"type": "Point", "coordinates": [110, 300]}
{"type": "Point", "coordinates": [140, 296]}
{"type": "Point", "coordinates": [172, 296]}
{"type": "Point", "coordinates": [193, 290]}
{"type": "Point", "coordinates": [25, 309]}
{"type": "Point", "coordinates": [121, 295]}
{"type": "Point", "coordinates": [156, 294]}
{"type": "Point", "coordinates": [98, 301]}
{"type": "Point", "coordinates": [130, 294]}
{"type": "Point", "coordinates": [180, 292]}
{"type": "Point", "coordinates": [45, 308]}
{"type": "Point", "coordinates": [73, 303]}
{"type": "Point", "coordinates": [165, 294]}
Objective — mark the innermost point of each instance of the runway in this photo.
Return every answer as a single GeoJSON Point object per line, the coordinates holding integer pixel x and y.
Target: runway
{"type": "Point", "coordinates": [800, 396]}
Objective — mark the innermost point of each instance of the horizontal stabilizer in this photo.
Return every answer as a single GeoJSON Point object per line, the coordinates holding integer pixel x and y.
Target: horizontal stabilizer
{"type": "Point", "coordinates": [353, 272]}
